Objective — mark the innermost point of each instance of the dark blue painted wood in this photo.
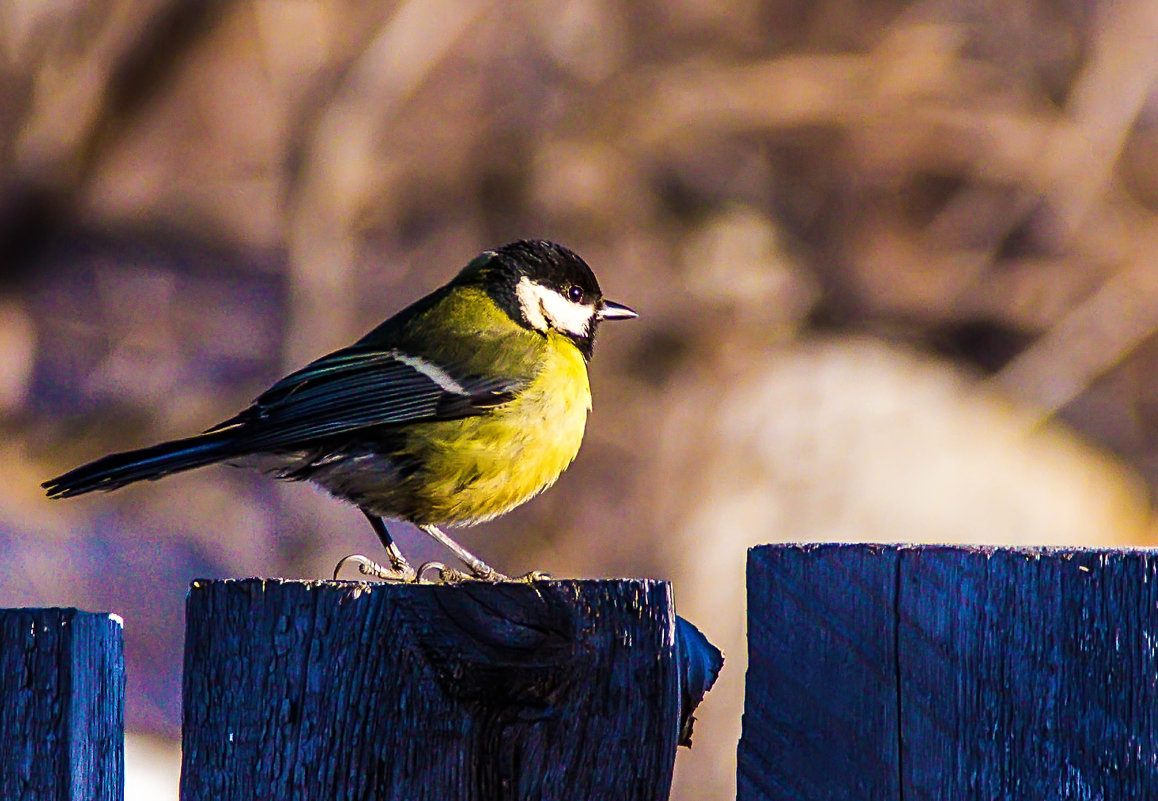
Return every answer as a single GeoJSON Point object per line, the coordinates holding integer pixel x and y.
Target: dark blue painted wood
{"type": "Point", "coordinates": [340, 690]}
{"type": "Point", "coordinates": [1018, 674]}
{"type": "Point", "coordinates": [698, 664]}
{"type": "Point", "coordinates": [62, 689]}
{"type": "Point", "coordinates": [820, 709]}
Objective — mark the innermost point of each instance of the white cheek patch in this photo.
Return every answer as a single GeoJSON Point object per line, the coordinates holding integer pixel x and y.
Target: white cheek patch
{"type": "Point", "coordinates": [545, 308]}
{"type": "Point", "coordinates": [529, 296]}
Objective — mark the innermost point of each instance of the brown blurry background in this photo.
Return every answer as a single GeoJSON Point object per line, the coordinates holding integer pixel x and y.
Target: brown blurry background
{"type": "Point", "coordinates": [893, 262]}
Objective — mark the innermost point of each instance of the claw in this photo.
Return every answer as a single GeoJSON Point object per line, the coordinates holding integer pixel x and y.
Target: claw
{"type": "Point", "coordinates": [445, 575]}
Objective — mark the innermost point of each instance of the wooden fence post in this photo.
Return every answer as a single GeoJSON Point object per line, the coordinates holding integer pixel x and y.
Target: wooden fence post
{"type": "Point", "coordinates": [62, 689]}
{"type": "Point", "coordinates": [905, 673]}
{"type": "Point", "coordinates": [343, 690]}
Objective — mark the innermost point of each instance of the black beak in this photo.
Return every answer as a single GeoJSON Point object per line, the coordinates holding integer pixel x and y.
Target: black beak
{"type": "Point", "coordinates": [610, 310]}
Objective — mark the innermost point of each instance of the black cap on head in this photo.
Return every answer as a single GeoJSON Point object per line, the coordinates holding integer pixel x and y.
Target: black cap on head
{"type": "Point", "coordinates": [551, 265]}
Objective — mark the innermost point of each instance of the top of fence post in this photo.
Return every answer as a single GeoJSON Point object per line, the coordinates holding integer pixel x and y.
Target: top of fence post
{"type": "Point", "coordinates": [544, 690]}
{"type": "Point", "coordinates": [881, 673]}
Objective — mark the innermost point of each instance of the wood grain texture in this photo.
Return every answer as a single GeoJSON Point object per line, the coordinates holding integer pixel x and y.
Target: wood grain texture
{"type": "Point", "coordinates": [349, 691]}
{"type": "Point", "coordinates": [1015, 674]}
{"type": "Point", "coordinates": [62, 689]}
{"type": "Point", "coordinates": [820, 708]}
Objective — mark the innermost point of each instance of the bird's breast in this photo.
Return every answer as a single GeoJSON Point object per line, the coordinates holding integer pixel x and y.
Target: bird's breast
{"type": "Point", "coordinates": [480, 467]}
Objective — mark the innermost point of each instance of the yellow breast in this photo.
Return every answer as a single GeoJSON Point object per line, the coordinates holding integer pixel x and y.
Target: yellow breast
{"type": "Point", "coordinates": [481, 467]}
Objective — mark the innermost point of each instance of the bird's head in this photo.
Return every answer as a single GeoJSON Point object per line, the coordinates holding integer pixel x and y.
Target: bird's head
{"type": "Point", "coordinates": [544, 286]}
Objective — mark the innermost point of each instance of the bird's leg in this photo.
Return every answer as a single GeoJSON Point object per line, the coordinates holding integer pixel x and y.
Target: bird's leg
{"type": "Point", "coordinates": [478, 567]}
{"type": "Point", "coordinates": [399, 569]}
{"type": "Point", "coordinates": [393, 553]}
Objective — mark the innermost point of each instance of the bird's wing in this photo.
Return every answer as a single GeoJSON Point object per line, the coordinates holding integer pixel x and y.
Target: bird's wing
{"type": "Point", "coordinates": [362, 387]}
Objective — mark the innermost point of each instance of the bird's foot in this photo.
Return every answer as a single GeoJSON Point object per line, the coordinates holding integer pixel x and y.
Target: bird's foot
{"type": "Point", "coordinates": [479, 569]}
{"type": "Point", "coordinates": [494, 576]}
{"type": "Point", "coordinates": [397, 571]}
{"type": "Point", "coordinates": [442, 574]}
{"type": "Point", "coordinates": [449, 575]}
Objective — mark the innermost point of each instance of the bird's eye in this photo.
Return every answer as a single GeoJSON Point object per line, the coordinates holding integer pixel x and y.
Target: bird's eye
{"type": "Point", "coordinates": [575, 294]}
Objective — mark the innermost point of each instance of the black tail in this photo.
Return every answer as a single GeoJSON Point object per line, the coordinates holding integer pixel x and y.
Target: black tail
{"type": "Point", "coordinates": [118, 469]}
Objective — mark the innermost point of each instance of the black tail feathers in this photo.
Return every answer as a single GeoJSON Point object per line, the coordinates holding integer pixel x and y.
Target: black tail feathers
{"type": "Point", "coordinates": [118, 469]}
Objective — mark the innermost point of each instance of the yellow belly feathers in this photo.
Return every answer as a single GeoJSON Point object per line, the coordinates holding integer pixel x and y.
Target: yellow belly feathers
{"type": "Point", "coordinates": [490, 464]}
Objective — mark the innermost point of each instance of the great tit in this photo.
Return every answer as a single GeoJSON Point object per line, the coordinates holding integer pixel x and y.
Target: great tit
{"type": "Point", "coordinates": [455, 410]}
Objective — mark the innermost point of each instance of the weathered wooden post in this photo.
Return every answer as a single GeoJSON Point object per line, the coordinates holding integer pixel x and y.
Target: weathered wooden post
{"type": "Point", "coordinates": [950, 673]}
{"type": "Point", "coordinates": [62, 690]}
{"type": "Point", "coordinates": [344, 690]}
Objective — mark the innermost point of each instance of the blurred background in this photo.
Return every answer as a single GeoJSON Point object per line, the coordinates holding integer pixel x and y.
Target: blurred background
{"type": "Point", "coordinates": [893, 263]}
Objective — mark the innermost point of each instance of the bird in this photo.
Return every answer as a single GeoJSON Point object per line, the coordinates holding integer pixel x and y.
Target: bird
{"type": "Point", "coordinates": [457, 409]}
